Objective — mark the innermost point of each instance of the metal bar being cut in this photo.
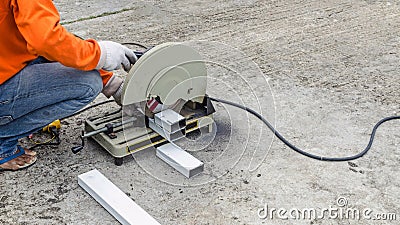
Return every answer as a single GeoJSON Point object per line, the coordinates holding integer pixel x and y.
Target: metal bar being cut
{"type": "Point", "coordinates": [116, 202]}
{"type": "Point", "coordinates": [164, 133]}
{"type": "Point", "coordinates": [170, 120]}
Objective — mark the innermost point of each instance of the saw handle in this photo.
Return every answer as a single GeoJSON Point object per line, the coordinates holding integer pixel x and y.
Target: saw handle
{"type": "Point", "coordinates": [79, 148]}
{"type": "Point", "coordinates": [141, 53]}
{"type": "Point", "coordinates": [138, 54]}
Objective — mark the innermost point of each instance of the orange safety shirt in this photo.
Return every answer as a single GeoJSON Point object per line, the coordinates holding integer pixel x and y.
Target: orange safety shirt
{"type": "Point", "coordinates": [31, 28]}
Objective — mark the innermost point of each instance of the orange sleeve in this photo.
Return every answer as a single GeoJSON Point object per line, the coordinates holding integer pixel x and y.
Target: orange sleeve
{"type": "Point", "coordinates": [105, 76]}
{"type": "Point", "coordinates": [38, 22]}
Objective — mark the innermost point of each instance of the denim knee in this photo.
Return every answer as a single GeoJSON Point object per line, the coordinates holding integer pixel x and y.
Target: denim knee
{"type": "Point", "coordinates": [92, 80]}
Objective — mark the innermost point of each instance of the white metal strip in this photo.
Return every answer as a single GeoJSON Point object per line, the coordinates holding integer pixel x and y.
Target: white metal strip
{"type": "Point", "coordinates": [116, 202]}
{"type": "Point", "coordinates": [179, 159]}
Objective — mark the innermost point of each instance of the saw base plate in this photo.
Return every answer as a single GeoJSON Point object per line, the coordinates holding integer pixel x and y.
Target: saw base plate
{"type": "Point", "coordinates": [132, 138]}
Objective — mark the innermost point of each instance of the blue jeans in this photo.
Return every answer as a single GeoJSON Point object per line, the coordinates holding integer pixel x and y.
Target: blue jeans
{"type": "Point", "coordinates": [39, 94]}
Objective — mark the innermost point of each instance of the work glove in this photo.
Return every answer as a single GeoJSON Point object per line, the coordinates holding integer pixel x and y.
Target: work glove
{"type": "Point", "coordinates": [114, 88]}
{"type": "Point", "coordinates": [113, 55]}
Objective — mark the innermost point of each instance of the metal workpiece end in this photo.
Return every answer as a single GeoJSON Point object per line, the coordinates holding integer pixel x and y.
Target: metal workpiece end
{"type": "Point", "coordinates": [180, 160]}
{"type": "Point", "coordinates": [169, 124]}
{"type": "Point", "coordinates": [170, 120]}
{"type": "Point", "coordinates": [166, 134]}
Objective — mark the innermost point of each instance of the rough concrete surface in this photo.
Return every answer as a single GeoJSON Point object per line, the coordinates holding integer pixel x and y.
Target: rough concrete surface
{"type": "Point", "coordinates": [329, 72]}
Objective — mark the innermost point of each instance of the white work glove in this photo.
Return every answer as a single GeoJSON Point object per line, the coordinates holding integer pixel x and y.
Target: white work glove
{"type": "Point", "coordinates": [114, 88]}
{"type": "Point", "coordinates": [113, 55]}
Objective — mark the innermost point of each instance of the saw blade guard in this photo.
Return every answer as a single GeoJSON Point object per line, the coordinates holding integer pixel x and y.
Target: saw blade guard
{"type": "Point", "coordinates": [170, 72]}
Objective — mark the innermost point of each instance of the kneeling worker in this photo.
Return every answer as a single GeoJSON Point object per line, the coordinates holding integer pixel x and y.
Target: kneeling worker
{"type": "Point", "coordinates": [47, 73]}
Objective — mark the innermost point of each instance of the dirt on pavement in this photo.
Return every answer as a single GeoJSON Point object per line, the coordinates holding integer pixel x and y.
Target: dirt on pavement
{"type": "Point", "coordinates": [329, 70]}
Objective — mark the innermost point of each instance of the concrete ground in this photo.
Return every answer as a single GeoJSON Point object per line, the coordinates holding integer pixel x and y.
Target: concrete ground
{"type": "Point", "coordinates": [329, 72]}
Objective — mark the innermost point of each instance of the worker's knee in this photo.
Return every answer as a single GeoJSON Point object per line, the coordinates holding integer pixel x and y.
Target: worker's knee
{"type": "Point", "coordinates": [93, 84]}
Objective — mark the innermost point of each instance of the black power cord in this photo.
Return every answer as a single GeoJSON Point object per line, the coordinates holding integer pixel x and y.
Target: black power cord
{"type": "Point", "coordinates": [317, 157]}
{"type": "Point", "coordinates": [88, 107]}
{"type": "Point", "coordinates": [135, 43]}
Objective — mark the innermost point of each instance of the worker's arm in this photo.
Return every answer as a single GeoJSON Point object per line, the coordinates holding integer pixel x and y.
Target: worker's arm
{"type": "Point", "coordinates": [38, 22]}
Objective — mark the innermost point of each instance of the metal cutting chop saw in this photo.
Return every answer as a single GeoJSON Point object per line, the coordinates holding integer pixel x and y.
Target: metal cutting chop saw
{"type": "Point", "coordinates": [175, 75]}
